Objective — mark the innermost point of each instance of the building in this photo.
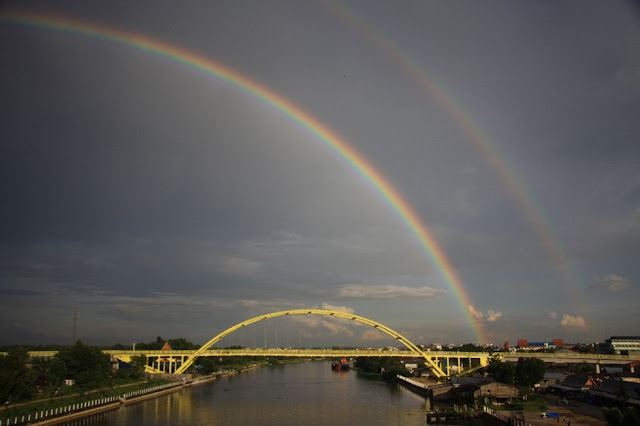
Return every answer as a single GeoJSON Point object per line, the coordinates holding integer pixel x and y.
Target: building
{"type": "Point", "coordinates": [550, 379]}
{"type": "Point", "coordinates": [614, 391]}
{"type": "Point", "coordinates": [624, 344]}
{"type": "Point", "coordinates": [465, 388]}
{"type": "Point", "coordinates": [524, 344]}
{"type": "Point", "coordinates": [415, 367]}
{"type": "Point", "coordinates": [496, 392]}
{"type": "Point", "coordinates": [574, 386]}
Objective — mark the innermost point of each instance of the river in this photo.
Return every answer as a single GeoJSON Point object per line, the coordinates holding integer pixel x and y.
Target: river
{"type": "Point", "coordinates": [306, 393]}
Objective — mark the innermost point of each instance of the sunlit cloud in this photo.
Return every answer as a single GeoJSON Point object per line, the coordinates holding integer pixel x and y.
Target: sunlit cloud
{"type": "Point", "coordinates": [344, 309]}
{"type": "Point", "coordinates": [493, 316]}
{"type": "Point", "coordinates": [573, 322]}
{"type": "Point", "coordinates": [335, 325]}
{"type": "Point", "coordinates": [489, 316]}
{"type": "Point", "coordinates": [474, 313]}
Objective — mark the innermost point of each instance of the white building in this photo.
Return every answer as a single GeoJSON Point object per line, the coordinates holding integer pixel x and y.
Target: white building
{"type": "Point", "coordinates": [625, 344]}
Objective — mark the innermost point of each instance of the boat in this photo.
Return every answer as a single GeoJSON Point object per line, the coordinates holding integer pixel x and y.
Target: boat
{"type": "Point", "coordinates": [342, 365]}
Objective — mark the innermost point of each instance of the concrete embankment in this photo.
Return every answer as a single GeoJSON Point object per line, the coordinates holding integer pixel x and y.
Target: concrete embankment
{"type": "Point", "coordinates": [108, 407]}
{"type": "Point", "coordinates": [75, 411]}
{"type": "Point", "coordinates": [418, 387]}
{"type": "Point", "coordinates": [124, 401]}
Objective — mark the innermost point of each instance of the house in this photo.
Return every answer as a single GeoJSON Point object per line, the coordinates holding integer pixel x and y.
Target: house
{"type": "Point", "coordinates": [414, 366]}
{"type": "Point", "coordinates": [69, 382]}
{"type": "Point", "coordinates": [496, 392]}
{"type": "Point", "coordinates": [466, 387]}
{"type": "Point", "coordinates": [614, 390]}
{"type": "Point", "coordinates": [550, 379]}
{"type": "Point", "coordinates": [574, 385]}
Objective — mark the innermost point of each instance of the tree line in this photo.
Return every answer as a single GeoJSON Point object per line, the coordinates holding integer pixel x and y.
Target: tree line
{"type": "Point", "coordinates": [387, 367]}
{"type": "Point", "coordinates": [21, 376]}
{"type": "Point", "coordinates": [525, 373]}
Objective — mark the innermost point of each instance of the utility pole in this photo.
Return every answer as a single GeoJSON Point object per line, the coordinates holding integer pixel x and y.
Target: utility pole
{"type": "Point", "coordinates": [75, 325]}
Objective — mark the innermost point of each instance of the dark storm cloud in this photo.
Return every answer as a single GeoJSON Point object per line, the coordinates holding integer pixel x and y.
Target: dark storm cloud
{"type": "Point", "coordinates": [17, 292]}
{"type": "Point", "coordinates": [140, 190]}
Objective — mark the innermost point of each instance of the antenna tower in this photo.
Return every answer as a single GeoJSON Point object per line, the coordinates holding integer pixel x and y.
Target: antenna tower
{"type": "Point", "coordinates": [75, 324]}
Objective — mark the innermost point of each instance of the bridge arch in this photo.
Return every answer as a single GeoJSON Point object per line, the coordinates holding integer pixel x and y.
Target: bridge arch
{"type": "Point", "coordinates": [400, 338]}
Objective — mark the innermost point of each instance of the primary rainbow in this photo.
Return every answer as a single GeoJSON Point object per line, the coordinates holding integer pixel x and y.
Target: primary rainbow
{"type": "Point", "coordinates": [477, 137]}
{"type": "Point", "coordinates": [331, 139]}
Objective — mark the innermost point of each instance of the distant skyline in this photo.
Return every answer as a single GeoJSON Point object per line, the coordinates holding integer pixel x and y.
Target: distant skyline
{"type": "Point", "coordinates": [458, 172]}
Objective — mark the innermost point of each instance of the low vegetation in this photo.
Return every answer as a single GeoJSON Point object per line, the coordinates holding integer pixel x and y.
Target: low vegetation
{"type": "Point", "coordinates": [387, 367]}
{"type": "Point", "coordinates": [627, 416]}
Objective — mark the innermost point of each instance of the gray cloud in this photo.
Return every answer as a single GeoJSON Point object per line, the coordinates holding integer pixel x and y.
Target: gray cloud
{"type": "Point", "coordinates": [611, 282]}
{"type": "Point", "coordinates": [387, 292]}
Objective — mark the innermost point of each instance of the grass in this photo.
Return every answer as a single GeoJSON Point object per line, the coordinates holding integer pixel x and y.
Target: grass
{"type": "Point", "coordinates": [534, 403]}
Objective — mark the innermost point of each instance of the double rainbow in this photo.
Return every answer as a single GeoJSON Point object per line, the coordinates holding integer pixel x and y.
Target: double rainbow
{"type": "Point", "coordinates": [475, 135]}
{"type": "Point", "coordinates": [319, 130]}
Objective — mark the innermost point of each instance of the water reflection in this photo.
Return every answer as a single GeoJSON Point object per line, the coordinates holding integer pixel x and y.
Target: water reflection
{"type": "Point", "coordinates": [307, 393]}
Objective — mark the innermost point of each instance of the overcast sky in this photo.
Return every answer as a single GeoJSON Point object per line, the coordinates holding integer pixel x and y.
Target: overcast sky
{"type": "Point", "coordinates": [160, 200]}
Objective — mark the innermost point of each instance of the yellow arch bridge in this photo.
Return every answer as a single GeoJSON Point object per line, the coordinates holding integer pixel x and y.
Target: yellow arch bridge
{"type": "Point", "coordinates": [441, 364]}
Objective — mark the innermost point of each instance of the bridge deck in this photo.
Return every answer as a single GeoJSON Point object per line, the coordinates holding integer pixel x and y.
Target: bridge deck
{"type": "Point", "coordinates": [328, 353]}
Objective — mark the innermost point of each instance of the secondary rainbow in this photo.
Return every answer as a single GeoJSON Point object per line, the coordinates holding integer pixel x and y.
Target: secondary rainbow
{"type": "Point", "coordinates": [323, 133]}
{"type": "Point", "coordinates": [475, 135]}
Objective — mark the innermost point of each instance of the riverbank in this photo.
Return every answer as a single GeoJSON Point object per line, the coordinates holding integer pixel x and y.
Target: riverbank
{"type": "Point", "coordinates": [63, 397]}
{"type": "Point", "coordinates": [577, 413]}
{"type": "Point", "coordinates": [128, 400]}
{"type": "Point", "coordinates": [106, 404]}
{"type": "Point", "coordinates": [112, 406]}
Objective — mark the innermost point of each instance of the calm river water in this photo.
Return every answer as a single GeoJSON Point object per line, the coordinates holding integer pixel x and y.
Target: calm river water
{"type": "Point", "coordinates": [294, 394]}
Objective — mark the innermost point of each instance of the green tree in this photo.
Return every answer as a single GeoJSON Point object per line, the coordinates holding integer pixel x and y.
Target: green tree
{"type": "Point", "coordinates": [391, 372]}
{"type": "Point", "coordinates": [529, 371]}
{"type": "Point", "coordinates": [583, 368]}
{"type": "Point", "coordinates": [48, 372]}
{"type": "Point", "coordinates": [57, 372]}
{"type": "Point", "coordinates": [367, 364]}
{"type": "Point", "coordinates": [138, 363]}
{"type": "Point", "coordinates": [178, 344]}
{"type": "Point", "coordinates": [612, 415]}
{"type": "Point", "coordinates": [503, 372]}
{"type": "Point", "coordinates": [16, 379]}
{"type": "Point", "coordinates": [87, 365]}
{"type": "Point", "coordinates": [470, 347]}
{"type": "Point", "coordinates": [631, 417]}
{"type": "Point", "coordinates": [133, 369]}
{"type": "Point", "coordinates": [388, 367]}
{"type": "Point", "coordinates": [182, 344]}
{"type": "Point", "coordinates": [206, 365]}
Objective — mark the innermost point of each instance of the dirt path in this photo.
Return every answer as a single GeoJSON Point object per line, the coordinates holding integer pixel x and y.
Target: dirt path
{"type": "Point", "coordinates": [577, 413]}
